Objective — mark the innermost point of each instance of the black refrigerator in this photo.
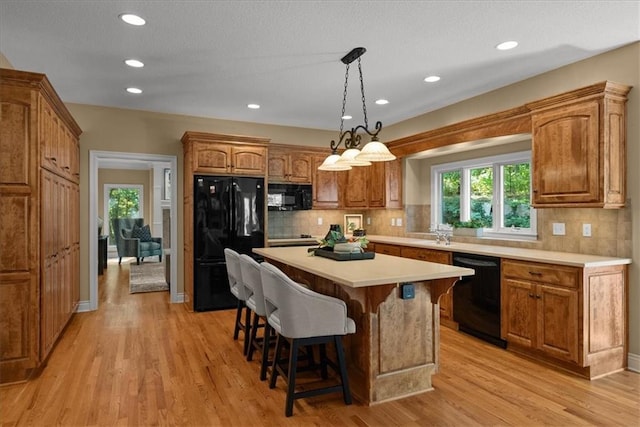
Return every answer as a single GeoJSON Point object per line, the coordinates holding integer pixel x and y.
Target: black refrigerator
{"type": "Point", "coordinates": [228, 213]}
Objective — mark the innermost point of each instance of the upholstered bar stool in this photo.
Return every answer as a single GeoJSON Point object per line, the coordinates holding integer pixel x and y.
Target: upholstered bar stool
{"type": "Point", "coordinates": [232, 259]}
{"type": "Point", "coordinates": [303, 318]}
{"type": "Point", "coordinates": [253, 283]}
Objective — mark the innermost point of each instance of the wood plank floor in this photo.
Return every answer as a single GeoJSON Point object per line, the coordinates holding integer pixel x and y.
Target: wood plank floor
{"type": "Point", "coordinates": [141, 361]}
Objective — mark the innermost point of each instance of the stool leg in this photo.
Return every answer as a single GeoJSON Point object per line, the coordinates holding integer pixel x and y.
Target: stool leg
{"type": "Point", "coordinates": [346, 391]}
{"type": "Point", "coordinates": [252, 337]}
{"type": "Point", "coordinates": [323, 361]}
{"type": "Point", "coordinates": [265, 351]}
{"type": "Point", "coordinates": [274, 363]}
{"type": "Point", "coordinates": [291, 377]}
{"type": "Point", "coordinates": [236, 328]}
{"type": "Point", "coordinates": [247, 329]}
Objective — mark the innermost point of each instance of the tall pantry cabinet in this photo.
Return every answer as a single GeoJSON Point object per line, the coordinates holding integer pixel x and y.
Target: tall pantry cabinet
{"type": "Point", "coordinates": [39, 221]}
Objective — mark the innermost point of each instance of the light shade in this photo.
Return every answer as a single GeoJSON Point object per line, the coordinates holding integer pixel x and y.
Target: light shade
{"type": "Point", "coordinates": [375, 151]}
{"type": "Point", "coordinates": [349, 157]}
{"type": "Point", "coordinates": [331, 164]}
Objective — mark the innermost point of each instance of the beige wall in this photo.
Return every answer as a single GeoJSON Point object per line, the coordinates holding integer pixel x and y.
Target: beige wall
{"type": "Point", "coordinates": [4, 62]}
{"type": "Point", "coordinates": [110, 129]}
{"type": "Point", "coordinates": [127, 176]}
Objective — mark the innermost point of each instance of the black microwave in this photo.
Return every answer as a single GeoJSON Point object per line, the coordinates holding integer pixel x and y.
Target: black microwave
{"type": "Point", "coordinates": [289, 197]}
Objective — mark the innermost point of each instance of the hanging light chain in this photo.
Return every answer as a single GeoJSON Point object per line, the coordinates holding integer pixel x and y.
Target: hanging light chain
{"type": "Point", "coordinates": [364, 104]}
{"type": "Point", "coordinates": [344, 99]}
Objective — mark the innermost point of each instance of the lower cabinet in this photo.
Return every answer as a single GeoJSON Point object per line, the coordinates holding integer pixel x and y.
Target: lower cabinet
{"type": "Point", "coordinates": [571, 317]}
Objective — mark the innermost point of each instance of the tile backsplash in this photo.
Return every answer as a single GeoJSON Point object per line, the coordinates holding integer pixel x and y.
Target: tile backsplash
{"type": "Point", "coordinates": [610, 228]}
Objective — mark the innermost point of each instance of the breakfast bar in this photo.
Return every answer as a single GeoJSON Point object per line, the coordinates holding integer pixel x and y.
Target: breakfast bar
{"type": "Point", "coordinates": [394, 303]}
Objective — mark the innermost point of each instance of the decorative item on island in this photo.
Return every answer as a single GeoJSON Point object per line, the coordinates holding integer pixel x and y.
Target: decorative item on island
{"type": "Point", "coordinates": [337, 246]}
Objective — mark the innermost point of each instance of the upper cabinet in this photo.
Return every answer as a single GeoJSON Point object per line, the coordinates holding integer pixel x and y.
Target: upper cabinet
{"type": "Point", "coordinates": [375, 186]}
{"type": "Point", "coordinates": [225, 154]}
{"type": "Point", "coordinates": [579, 148]}
{"type": "Point", "coordinates": [326, 185]}
{"type": "Point", "coordinates": [290, 166]}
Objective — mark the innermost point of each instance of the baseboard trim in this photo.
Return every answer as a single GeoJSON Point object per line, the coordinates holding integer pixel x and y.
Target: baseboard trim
{"type": "Point", "coordinates": [633, 362]}
{"type": "Point", "coordinates": [84, 306]}
{"type": "Point", "coordinates": [178, 299]}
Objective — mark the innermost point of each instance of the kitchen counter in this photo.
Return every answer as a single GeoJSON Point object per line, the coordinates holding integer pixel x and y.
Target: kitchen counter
{"type": "Point", "coordinates": [395, 349]}
{"type": "Point", "coordinates": [535, 255]}
{"type": "Point", "coordinates": [381, 270]}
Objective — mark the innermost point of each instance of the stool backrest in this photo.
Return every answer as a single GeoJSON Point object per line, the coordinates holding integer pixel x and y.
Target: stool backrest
{"type": "Point", "coordinates": [232, 259]}
{"type": "Point", "coordinates": [250, 271]}
{"type": "Point", "coordinates": [297, 312]}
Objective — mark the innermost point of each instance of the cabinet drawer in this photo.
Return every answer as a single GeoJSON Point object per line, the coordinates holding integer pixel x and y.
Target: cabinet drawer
{"type": "Point", "coordinates": [558, 275]}
{"type": "Point", "coordinates": [431, 255]}
{"type": "Point", "coordinates": [383, 248]}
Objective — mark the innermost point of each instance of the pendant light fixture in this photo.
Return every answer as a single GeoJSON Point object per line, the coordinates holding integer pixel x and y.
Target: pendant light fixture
{"type": "Point", "coordinates": [374, 151]}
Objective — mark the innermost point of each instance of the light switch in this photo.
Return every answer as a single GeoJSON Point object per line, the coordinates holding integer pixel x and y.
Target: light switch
{"type": "Point", "coordinates": [319, 220]}
{"type": "Point", "coordinates": [399, 222]}
{"type": "Point", "coordinates": [393, 222]}
{"type": "Point", "coordinates": [368, 220]}
{"type": "Point", "coordinates": [586, 230]}
{"type": "Point", "coordinates": [558, 229]}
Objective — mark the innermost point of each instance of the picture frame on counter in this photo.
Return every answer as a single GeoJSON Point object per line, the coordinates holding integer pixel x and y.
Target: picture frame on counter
{"type": "Point", "coordinates": [355, 219]}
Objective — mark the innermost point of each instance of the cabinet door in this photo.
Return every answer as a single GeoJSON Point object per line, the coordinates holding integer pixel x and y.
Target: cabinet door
{"type": "Point", "coordinates": [566, 157]}
{"type": "Point", "coordinates": [424, 254]}
{"type": "Point", "coordinates": [557, 322]}
{"type": "Point", "coordinates": [376, 185]}
{"type": "Point", "coordinates": [356, 187]}
{"type": "Point", "coordinates": [249, 160]}
{"type": "Point", "coordinates": [278, 166]}
{"type": "Point", "coordinates": [393, 181]}
{"type": "Point", "coordinates": [325, 186]}
{"type": "Point", "coordinates": [518, 302]}
{"type": "Point", "coordinates": [211, 158]}
{"type": "Point", "coordinates": [300, 168]}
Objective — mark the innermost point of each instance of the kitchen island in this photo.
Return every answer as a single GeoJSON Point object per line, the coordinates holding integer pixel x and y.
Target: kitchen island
{"type": "Point", "coordinates": [394, 352]}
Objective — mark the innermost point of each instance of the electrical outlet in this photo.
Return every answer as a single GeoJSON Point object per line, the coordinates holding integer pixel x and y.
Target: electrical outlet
{"type": "Point", "coordinates": [319, 220]}
{"type": "Point", "coordinates": [558, 229]}
{"type": "Point", "coordinates": [368, 220]}
{"type": "Point", "coordinates": [399, 222]}
{"type": "Point", "coordinates": [393, 222]}
{"type": "Point", "coordinates": [586, 230]}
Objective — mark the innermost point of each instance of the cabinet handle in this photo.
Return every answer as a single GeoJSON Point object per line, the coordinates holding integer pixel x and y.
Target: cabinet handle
{"type": "Point", "coordinates": [538, 296]}
{"type": "Point", "coordinates": [53, 159]}
{"type": "Point", "coordinates": [535, 273]}
{"type": "Point", "coordinates": [531, 295]}
{"type": "Point", "coordinates": [66, 167]}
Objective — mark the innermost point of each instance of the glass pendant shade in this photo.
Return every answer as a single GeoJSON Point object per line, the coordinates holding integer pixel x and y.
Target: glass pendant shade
{"type": "Point", "coordinates": [331, 164]}
{"type": "Point", "coordinates": [375, 151]}
{"type": "Point", "coordinates": [350, 157]}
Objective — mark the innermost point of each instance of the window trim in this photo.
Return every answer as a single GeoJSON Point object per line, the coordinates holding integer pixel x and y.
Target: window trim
{"type": "Point", "coordinates": [464, 166]}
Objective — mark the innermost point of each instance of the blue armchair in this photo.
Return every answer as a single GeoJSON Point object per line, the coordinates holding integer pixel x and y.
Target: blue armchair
{"type": "Point", "coordinates": [130, 246]}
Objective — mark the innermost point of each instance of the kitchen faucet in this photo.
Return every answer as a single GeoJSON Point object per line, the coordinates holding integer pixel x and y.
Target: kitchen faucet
{"type": "Point", "coordinates": [441, 235]}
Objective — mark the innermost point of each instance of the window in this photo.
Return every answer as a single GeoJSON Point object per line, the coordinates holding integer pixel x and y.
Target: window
{"type": "Point", "coordinates": [121, 201]}
{"type": "Point", "coordinates": [493, 191]}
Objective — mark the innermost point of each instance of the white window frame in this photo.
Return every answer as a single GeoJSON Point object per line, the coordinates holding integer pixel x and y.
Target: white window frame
{"type": "Point", "coordinates": [465, 166]}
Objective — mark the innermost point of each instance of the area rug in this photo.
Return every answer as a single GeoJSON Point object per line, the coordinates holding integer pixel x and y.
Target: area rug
{"type": "Point", "coordinates": [147, 277]}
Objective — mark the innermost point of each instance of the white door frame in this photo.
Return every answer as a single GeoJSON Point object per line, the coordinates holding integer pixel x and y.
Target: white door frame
{"type": "Point", "coordinates": [95, 157]}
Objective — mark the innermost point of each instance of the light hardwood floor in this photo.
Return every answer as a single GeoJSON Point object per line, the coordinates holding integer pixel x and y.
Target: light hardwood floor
{"type": "Point", "coordinates": [141, 361]}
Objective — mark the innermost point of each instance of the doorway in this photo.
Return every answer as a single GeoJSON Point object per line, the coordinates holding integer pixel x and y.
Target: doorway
{"type": "Point", "coordinates": [105, 159]}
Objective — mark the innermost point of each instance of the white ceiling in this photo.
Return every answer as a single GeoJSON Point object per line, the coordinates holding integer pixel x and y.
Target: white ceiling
{"type": "Point", "coordinates": [212, 58]}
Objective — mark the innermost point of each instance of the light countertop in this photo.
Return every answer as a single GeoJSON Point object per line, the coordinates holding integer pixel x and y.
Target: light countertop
{"type": "Point", "coordinates": [535, 255]}
{"type": "Point", "coordinates": [383, 269]}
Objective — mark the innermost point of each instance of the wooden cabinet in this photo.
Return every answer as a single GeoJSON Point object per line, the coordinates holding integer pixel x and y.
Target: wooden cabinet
{"type": "Point", "coordinates": [214, 154]}
{"type": "Point", "coordinates": [384, 248]}
{"type": "Point", "coordinates": [326, 185]}
{"type": "Point", "coordinates": [39, 221]}
{"type": "Point", "coordinates": [375, 186]}
{"type": "Point", "coordinates": [579, 148]}
{"type": "Point", "coordinates": [556, 312]}
{"type": "Point", "coordinates": [286, 165]}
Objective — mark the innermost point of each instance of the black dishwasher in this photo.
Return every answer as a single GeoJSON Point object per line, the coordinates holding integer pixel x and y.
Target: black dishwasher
{"type": "Point", "coordinates": [476, 299]}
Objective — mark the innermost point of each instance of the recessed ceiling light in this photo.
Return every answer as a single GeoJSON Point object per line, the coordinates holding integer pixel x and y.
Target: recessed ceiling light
{"type": "Point", "coordinates": [382, 102]}
{"type": "Point", "coordinates": [253, 106]}
{"type": "Point", "coordinates": [134, 63]}
{"type": "Point", "coordinates": [132, 19]}
{"type": "Point", "coordinates": [346, 117]}
{"type": "Point", "coordinates": [432, 79]}
{"type": "Point", "coordinates": [507, 45]}
{"type": "Point", "coordinates": [134, 90]}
